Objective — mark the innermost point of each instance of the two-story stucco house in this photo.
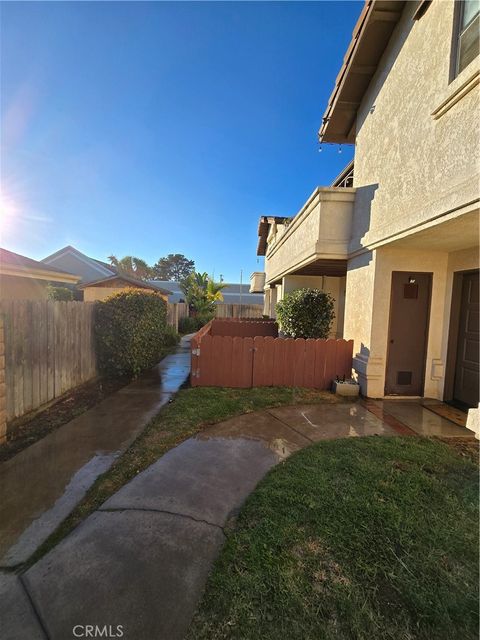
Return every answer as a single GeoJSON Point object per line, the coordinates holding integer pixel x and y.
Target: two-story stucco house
{"type": "Point", "coordinates": [399, 244]}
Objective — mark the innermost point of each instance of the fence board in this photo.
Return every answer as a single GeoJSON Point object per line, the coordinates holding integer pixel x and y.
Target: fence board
{"type": "Point", "coordinates": [247, 362]}
{"type": "Point", "coordinates": [9, 368]}
{"type": "Point", "coordinates": [279, 353]}
{"type": "Point", "coordinates": [299, 362]}
{"type": "Point", "coordinates": [18, 356]}
{"type": "Point", "coordinates": [49, 349]}
{"type": "Point", "coordinates": [309, 371]}
{"type": "Point", "coordinates": [225, 368]}
{"type": "Point", "coordinates": [42, 328]}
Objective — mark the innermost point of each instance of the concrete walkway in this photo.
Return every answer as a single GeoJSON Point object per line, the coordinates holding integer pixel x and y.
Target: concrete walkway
{"type": "Point", "coordinates": [40, 486]}
{"type": "Point", "coordinates": [142, 560]}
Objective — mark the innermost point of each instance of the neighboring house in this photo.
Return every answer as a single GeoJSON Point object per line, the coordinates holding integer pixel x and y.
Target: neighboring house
{"type": "Point", "coordinates": [105, 287]}
{"type": "Point", "coordinates": [402, 243]}
{"type": "Point", "coordinates": [232, 294]}
{"type": "Point", "coordinates": [22, 278]}
{"type": "Point", "coordinates": [74, 261]}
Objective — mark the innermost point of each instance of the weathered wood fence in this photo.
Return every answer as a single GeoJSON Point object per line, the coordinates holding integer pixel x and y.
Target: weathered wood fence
{"type": "Point", "coordinates": [49, 349]}
{"type": "Point", "coordinates": [224, 310]}
{"type": "Point", "coordinates": [176, 311]}
{"type": "Point", "coordinates": [263, 360]}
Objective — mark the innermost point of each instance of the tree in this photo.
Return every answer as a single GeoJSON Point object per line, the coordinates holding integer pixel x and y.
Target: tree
{"type": "Point", "coordinates": [201, 292]}
{"type": "Point", "coordinates": [132, 266]}
{"type": "Point", "coordinates": [175, 266]}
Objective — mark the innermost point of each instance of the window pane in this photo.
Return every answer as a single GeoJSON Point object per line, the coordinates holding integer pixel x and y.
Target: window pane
{"type": "Point", "coordinates": [469, 45]}
{"type": "Point", "coordinates": [470, 9]}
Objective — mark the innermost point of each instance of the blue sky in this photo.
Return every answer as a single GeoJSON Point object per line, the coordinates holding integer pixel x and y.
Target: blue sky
{"type": "Point", "coordinates": [156, 128]}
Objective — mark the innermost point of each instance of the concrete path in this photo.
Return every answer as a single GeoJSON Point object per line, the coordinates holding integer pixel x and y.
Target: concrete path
{"type": "Point", "coordinates": [40, 486]}
{"type": "Point", "coordinates": [142, 560]}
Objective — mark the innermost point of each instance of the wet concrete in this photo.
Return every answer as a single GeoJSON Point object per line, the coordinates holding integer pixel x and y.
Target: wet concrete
{"type": "Point", "coordinates": [143, 558]}
{"type": "Point", "coordinates": [41, 485]}
{"type": "Point", "coordinates": [19, 621]}
{"type": "Point", "coordinates": [422, 421]}
{"type": "Point", "coordinates": [137, 569]}
{"type": "Point", "coordinates": [328, 421]}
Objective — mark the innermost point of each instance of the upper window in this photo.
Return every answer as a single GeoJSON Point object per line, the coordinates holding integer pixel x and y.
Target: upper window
{"type": "Point", "coordinates": [467, 33]}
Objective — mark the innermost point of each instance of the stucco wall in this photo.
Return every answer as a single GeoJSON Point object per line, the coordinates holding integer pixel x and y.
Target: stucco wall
{"type": "Point", "coordinates": [335, 286]}
{"type": "Point", "coordinates": [410, 165]}
{"type": "Point", "coordinates": [367, 311]}
{"type": "Point", "coordinates": [16, 288]}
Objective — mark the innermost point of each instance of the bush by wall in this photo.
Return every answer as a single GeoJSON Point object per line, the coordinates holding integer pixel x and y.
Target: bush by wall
{"type": "Point", "coordinates": [59, 294]}
{"type": "Point", "coordinates": [171, 337]}
{"type": "Point", "coordinates": [130, 329]}
{"type": "Point", "coordinates": [192, 324]}
{"type": "Point", "coordinates": [306, 313]}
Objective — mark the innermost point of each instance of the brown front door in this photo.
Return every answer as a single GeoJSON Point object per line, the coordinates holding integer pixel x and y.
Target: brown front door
{"type": "Point", "coordinates": [408, 332]}
{"type": "Point", "coordinates": [466, 367]}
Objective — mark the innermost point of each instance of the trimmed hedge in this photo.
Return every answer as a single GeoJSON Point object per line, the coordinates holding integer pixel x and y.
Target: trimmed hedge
{"type": "Point", "coordinates": [130, 331]}
{"type": "Point", "coordinates": [306, 313]}
{"type": "Point", "coordinates": [192, 324]}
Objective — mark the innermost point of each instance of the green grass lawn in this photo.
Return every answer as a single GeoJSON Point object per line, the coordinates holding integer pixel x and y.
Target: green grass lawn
{"type": "Point", "coordinates": [361, 538]}
{"type": "Point", "coordinates": [192, 410]}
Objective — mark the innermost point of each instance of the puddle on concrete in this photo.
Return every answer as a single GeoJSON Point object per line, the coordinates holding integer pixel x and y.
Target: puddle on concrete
{"type": "Point", "coordinates": [42, 484]}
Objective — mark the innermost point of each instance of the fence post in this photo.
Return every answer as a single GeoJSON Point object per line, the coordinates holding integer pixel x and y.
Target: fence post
{"type": "Point", "coordinates": [3, 398]}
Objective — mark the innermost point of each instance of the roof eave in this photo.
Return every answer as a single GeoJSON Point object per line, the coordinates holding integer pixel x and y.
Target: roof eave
{"type": "Point", "coordinates": [38, 274]}
{"type": "Point", "coordinates": [370, 37]}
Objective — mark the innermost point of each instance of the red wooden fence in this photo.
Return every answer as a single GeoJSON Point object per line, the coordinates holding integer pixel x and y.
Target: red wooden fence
{"type": "Point", "coordinates": [263, 361]}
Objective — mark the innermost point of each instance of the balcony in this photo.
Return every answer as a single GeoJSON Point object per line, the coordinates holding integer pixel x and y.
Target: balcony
{"type": "Point", "coordinates": [257, 282]}
{"type": "Point", "coordinates": [314, 242]}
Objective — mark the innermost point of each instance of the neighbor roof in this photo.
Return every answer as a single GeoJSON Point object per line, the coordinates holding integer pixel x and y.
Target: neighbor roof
{"type": "Point", "coordinates": [102, 268]}
{"type": "Point", "coordinates": [141, 284]}
{"type": "Point", "coordinates": [370, 37]}
{"type": "Point", "coordinates": [14, 264]}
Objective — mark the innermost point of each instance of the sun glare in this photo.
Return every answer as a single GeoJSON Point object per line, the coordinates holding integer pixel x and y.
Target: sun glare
{"type": "Point", "coordinates": [8, 211]}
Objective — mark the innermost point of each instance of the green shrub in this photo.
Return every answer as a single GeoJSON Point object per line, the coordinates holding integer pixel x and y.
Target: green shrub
{"type": "Point", "coordinates": [187, 325]}
{"type": "Point", "coordinates": [306, 313]}
{"type": "Point", "coordinates": [63, 294]}
{"type": "Point", "coordinates": [192, 324]}
{"type": "Point", "coordinates": [171, 337]}
{"type": "Point", "coordinates": [130, 329]}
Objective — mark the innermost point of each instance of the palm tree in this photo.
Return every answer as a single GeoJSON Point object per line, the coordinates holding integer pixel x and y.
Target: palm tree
{"type": "Point", "coordinates": [131, 266]}
{"type": "Point", "coordinates": [214, 290]}
{"type": "Point", "coordinates": [201, 293]}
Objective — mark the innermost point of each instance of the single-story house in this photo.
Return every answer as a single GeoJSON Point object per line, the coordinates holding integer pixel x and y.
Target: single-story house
{"type": "Point", "coordinates": [70, 259]}
{"type": "Point", "coordinates": [105, 287]}
{"type": "Point", "coordinates": [22, 278]}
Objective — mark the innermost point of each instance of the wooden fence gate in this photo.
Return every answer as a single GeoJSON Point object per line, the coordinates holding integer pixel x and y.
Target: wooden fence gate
{"type": "Point", "coordinates": [263, 361]}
